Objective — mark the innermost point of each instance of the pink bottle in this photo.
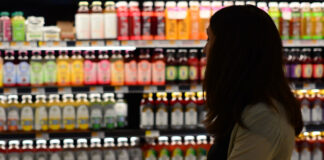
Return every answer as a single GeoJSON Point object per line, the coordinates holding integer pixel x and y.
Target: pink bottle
{"type": "Point", "coordinates": [5, 28]}
{"type": "Point", "coordinates": [144, 68]}
{"type": "Point", "coordinates": [122, 19]}
{"type": "Point", "coordinates": [130, 68]}
{"type": "Point", "coordinates": [90, 68]}
{"type": "Point", "coordinates": [103, 70]}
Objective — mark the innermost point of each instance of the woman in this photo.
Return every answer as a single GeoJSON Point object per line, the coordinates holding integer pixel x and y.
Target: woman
{"type": "Point", "coordinates": [251, 110]}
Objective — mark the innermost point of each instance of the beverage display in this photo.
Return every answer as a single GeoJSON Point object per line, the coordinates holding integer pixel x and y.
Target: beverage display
{"type": "Point", "coordinates": [82, 21]}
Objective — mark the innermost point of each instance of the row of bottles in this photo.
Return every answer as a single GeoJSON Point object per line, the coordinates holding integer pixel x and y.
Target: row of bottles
{"type": "Point", "coordinates": [175, 113]}
{"type": "Point", "coordinates": [309, 146]}
{"type": "Point", "coordinates": [53, 113]}
{"type": "Point", "coordinates": [101, 68]}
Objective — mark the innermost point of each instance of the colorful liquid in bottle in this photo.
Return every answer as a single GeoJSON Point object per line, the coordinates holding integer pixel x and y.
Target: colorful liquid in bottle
{"type": "Point", "coordinates": [144, 67]}
{"type": "Point", "coordinates": [122, 19]}
{"type": "Point", "coordinates": [90, 68]}
{"type": "Point", "coordinates": [183, 69]}
{"type": "Point", "coordinates": [63, 69]}
{"type": "Point", "coordinates": [158, 21]}
{"type": "Point", "coordinates": [171, 71]}
{"type": "Point", "coordinates": [306, 23]}
{"type": "Point", "coordinates": [204, 13]}
{"type": "Point", "coordinates": [103, 68]}
{"type": "Point", "coordinates": [23, 69]}
{"type": "Point", "coordinates": [50, 69]}
{"type": "Point", "coordinates": [77, 74]}
{"type": "Point", "coordinates": [130, 68]}
{"type": "Point", "coordinates": [36, 69]}
{"type": "Point", "coordinates": [171, 25]}
{"type": "Point", "coordinates": [82, 21]}
{"type": "Point", "coordinates": [194, 15]}
{"type": "Point", "coordinates": [134, 21]}
{"type": "Point", "coordinates": [183, 20]}
{"type": "Point", "coordinates": [117, 69]}
{"type": "Point", "coordinates": [147, 16]}
{"type": "Point", "coordinates": [158, 67]}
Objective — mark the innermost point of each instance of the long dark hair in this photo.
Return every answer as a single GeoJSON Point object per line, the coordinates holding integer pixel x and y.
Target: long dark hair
{"type": "Point", "coordinates": [245, 67]}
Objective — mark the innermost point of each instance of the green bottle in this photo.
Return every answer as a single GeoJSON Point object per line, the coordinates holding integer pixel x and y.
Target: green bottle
{"type": "Point", "coordinates": [95, 111]}
{"type": "Point", "coordinates": [18, 26]}
{"type": "Point", "coordinates": [109, 111]}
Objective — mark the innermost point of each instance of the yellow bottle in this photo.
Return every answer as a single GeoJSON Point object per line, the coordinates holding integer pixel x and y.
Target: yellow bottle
{"type": "Point", "coordinates": [54, 112]}
{"type": "Point", "coordinates": [68, 109]}
{"type": "Point", "coordinates": [41, 114]}
{"type": "Point", "coordinates": [13, 113]}
{"type": "Point", "coordinates": [26, 113]}
{"type": "Point", "coordinates": [205, 12]}
{"type": "Point", "coordinates": [171, 21]}
{"type": "Point", "coordinates": [77, 69]}
{"type": "Point", "coordinates": [194, 20]}
{"type": "Point", "coordinates": [3, 117]}
{"type": "Point", "coordinates": [183, 20]}
{"type": "Point", "coordinates": [82, 113]}
{"type": "Point", "coordinates": [63, 69]}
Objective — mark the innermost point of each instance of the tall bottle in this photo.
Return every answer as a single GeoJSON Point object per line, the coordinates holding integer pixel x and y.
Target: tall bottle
{"type": "Point", "coordinates": [122, 152]}
{"type": "Point", "coordinates": [68, 149]}
{"type": "Point", "coordinates": [274, 13]}
{"type": "Point", "coordinates": [13, 121]}
{"type": "Point", "coordinates": [296, 68]}
{"type": "Point", "coordinates": [295, 20]}
{"type": "Point", "coordinates": [6, 27]}
{"type": "Point", "coordinates": [204, 14]}
{"type": "Point", "coordinates": [171, 25]}
{"type": "Point", "coordinates": [130, 68]}
{"type": "Point", "coordinates": [202, 65]}
{"type": "Point", "coordinates": [158, 67]}
{"type": "Point", "coordinates": [135, 151]}
{"type": "Point", "coordinates": [55, 149]}
{"type": "Point", "coordinates": [147, 112]}
{"type": "Point", "coordinates": [109, 111]}
{"type": "Point", "coordinates": [317, 20]}
{"type": "Point", "coordinates": [3, 115]}
{"type": "Point", "coordinates": [41, 148]}
{"type": "Point", "coordinates": [201, 109]}
{"type": "Point", "coordinates": [147, 16]}
{"type": "Point", "coordinates": [134, 21]}
{"type": "Point", "coordinates": [171, 71]}
{"type": "Point", "coordinates": [14, 150]}
{"type": "Point", "coordinates": [183, 20]}
{"type": "Point", "coordinates": [317, 64]}
{"type": "Point", "coordinates": [95, 149]}
{"type": "Point", "coordinates": [110, 20]}
{"type": "Point", "coordinates": [122, 19]}
{"type": "Point", "coordinates": [109, 149]}
{"type": "Point", "coordinates": [97, 21]}
{"type": "Point", "coordinates": [103, 68]}
{"type": "Point", "coordinates": [77, 74]}
{"type": "Point", "coordinates": [27, 113]}
{"type": "Point", "coordinates": [28, 150]}
{"type": "Point", "coordinates": [158, 23]}
{"type": "Point", "coordinates": [306, 23]}
{"type": "Point", "coordinates": [82, 21]}
{"type": "Point", "coordinates": [36, 69]}
{"type": "Point", "coordinates": [202, 147]}
{"type": "Point", "coordinates": [95, 112]}
{"type": "Point", "coordinates": [54, 112]}
{"type": "Point", "coordinates": [306, 62]}
{"type": "Point", "coordinates": [9, 69]}
{"type": "Point", "coordinates": [41, 113]}
{"type": "Point", "coordinates": [190, 151]}
{"type": "Point", "coordinates": [23, 69]}
{"type": "Point", "coordinates": [18, 26]}
{"type": "Point", "coordinates": [63, 69]}
{"type": "Point", "coordinates": [117, 69]}
{"type": "Point", "coordinates": [121, 110]}
{"type": "Point", "coordinates": [82, 112]}
{"type": "Point", "coordinates": [176, 144]}
{"type": "Point", "coordinates": [144, 67]}
{"type": "Point", "coordinates": [163, 149]}
{"type": "Point", "coordinates": [82, 149]}
{"type": "Point", "coordinates": [177, 114]}
{"type": "Point", "coordinates": [68, 112]}
{"type": "Point", "coordinates": [90, 68]}
{"type": "Point", "coordinates": [183, 70]}
{"type": "Point", "coordinates": [162, 111]}
{"type": "Point", "coordinates": [285, 19]}
{"type": "Point", "coordinates": [194, 20]}
{"type": "Point", "coordinates": [50, 68]}
{"type": "Point", "coordinates": [193, 66]}
{"type": "Point", "coordinates": [190, 111]}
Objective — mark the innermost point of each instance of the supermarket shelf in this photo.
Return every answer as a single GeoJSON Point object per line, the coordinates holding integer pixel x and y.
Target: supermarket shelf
{"type": "Point", "coordinates": [307, 85]}
{"type": "Point", "coordinates": [98, 89]}
{"type": "Point", "coordinates": [303, 43]}
{"type": "Point", "coordinates": [314, 127]}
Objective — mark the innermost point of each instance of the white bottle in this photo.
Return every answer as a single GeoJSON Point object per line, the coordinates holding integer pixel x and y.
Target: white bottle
{"type": "Point", "coordinates": [110, 20]}
{"type": "Point", "coordinates": [82, 21]}
{"type": "Point", "coordinates": [97, 21]}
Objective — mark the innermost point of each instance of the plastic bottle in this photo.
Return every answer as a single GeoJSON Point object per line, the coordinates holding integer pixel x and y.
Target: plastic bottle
{"type": "Point", "coordinates": [285, 19]}
{"type": "Point", "coordinates": [110, 19]}
{"type": "Point", "coordinates": [117, 69]}
{"type": "Point", "coordinates": [54, 112]}
{"type": "Point", "coordinates": [1, 70]}
{"type": "Point", "coordinates": [130, 68]}
{"type": "Point", "coordinates": [63, 69]}
{"type": "Point", "coordinates": [162, 111]}
{"type": "Point", "coordinates": [190, 151]}
{"type": "Point", "coordinates": [18, 26]}
{"type": "Point", "coordinates": [90, 68]}
{"type": "Point", "coordinates": [274, 12]}
{"type": "Point", "coordinates": [316, 150]}
{"type": "Point", "coordinates": [50, 68]}
{"type": "Point", "coordinates": [147, 111]}
{"type": "Point", "coordinates": [82, 149]}
{"type": "Point", "coordinates": [144, 66]}
{"type": "Point", "coordinates": [202, 65]}
{"type": "Point", "coordinates": [13, 113]}
{"type": "Point", "coordinates": [250, 3]}
{"type": "Point", "coordinates": [239, 3]}
{"type": "Point", "coordinates": [190, 116]}
{"type": "Point", "coordinates": [41, 113]}
{"type": "Point", "coordinates": [317, 21]}
{"type": "Point", "coordinates": [158, 23]}
{"type": "Point", "coordinates": [147, 16]}
{"type": "Point", "coordinates": [82, 21]}
{"type": "Point", "coordinates": [194, 20]}
{"type": "Point", "coordinates": [28, 150]}
{"type": "Point", "coordinates": [9, 69]}
{"type": "Point", "coordinates": [183, 70]}
{"type": "Point", "coordinates": [216, 6]}
{"type": "Point", "coordinates": [27, 113]}
{"type": "Point", "coordinates": [96, 110]}
{"type": "Point", "coordinates": [163, 151]}
{"type": "Point", "coordinates": [317, 109]}
{"type": "Point", "coordinates": [68, 109]}
{"type": "Point", "coordinates": [171, 71]}
{"type": "Point", "coordinates": [14, 150]}
{"type": "Point", "coordinates": [296, 69]}
{"type": "Point", "coordinates": [77, 73]}
{"type": "Point", "coordinates": [177, 152]}
{"type": "Point", "coordinates": [121, 109]}
{"type": "Point", "coordinates": [109, 149]}
{"type": "Point", "coordinates": [305, 152]}
{"type": "Point", "coordinates": [150, 152]}
{"type": "Point", "coordinates": [41, 150]}
{"type": "Point", "coordinates": [68, 148]}
{"type": "Point", "coordinates": [306, 23]}
{"type": "Point", "coordinates": [96, 151]}
{"type": "Point", "coordinates": [109, 111]}
{"type": "Point", "coordinates": [307, 67]}
{"type": "Point", "coordinates": [193, 66]}
{"type": "Point", "coordinates": [134, 21]}
{"type": "Point", "coordinates": [229, 3]}
{"type": "Point", "coordinates": [82, 112]}
{"type": "Point", "coordinates": [122, 19]}
{"type": "Point", "coordinates": [97, 21]}
{"type": "Point", "coordinates": [158, 67]}
{"type": "Point", "coordinates": [171, 25]}
{"type": "Point", "coordinates": [177, 112]}
{"type": "Point", "coordinates": [201, 109]}
{"type": "Point", "coordinates": [54, 150]}
{"type": "Point", "coordinates": [183, 20]}
{"type": "Point", "coordinates": [295, 20]}
{"type": "Point", "coordinates": [23, 69]}
{"type": "Point", "coordinates": [305, 107]}
{"type": "Point", "coordinates": [135, 151]}
{"type": "Point", "coordinates": [36, 69]}
{"type": "Point", "coordinates": [122, 152]}
{"type": "Point", "coordinates": [202, 147]}
{"type": "Point", "coordinates": [3, 115]}
{"type": "Point", "coordinates": [204, 13]}
{"type": "Point", "coordinates": [6, 27]}
{"type": "Point", "coordinates": [317, 64]}
{"type": "Point", "coordinates": [103, 68]}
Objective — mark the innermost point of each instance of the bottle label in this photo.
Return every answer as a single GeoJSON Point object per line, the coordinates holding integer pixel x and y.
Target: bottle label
{"type": "Point", "coordinates": [183, 73]}
{"type": "Point", "coordinates": [193, 73]}
{"type": "Point", "coordinates": [122, 155]}
{"type": "Point", "coordinates": [23, 73]}
{"type": "Point", "coordinates": [194, 20]}
{"type": "Point", "coordinates": [305, 113]}
{"type": "Point", "coordinates": [13, 119]}
{"type": "Point", "coordinates": [131, 72]}
{"type": "Point", "coordinates": [190, 154]}
{"type": "Point", "coordinates": [161, 115]}
{"type": "Point", "coordinates": [201, 154]}
{"type": "Point", "coordinates": [96, 117]}
{"type": "Point", "coordinates": [6, 30]}
{"type": "Point", "coordinates": [13, 156]}
{"type": "Point", "coordinates": [317, 112]}
{"type": "Point", "coordinates": [171, 73]}
{"type": "Point", "coordinates": [110, 118]}
{"type": "Point", "coordinates": [77, 72]}
{"type": "Point", "coordinates": [27, 118]}
{"type": "Point", "coordinates": [90, 71]}
{"type": "Point", "coordinates": [317, 70]}
{"type": "Point", "coordinates": [83, 117]}
{"type": "Point", "coordinates": [41, 118]}
{"type": "Point", "coordinates": [117, 70]}
{"type": "Point", "coordinates": [103, 72]}
{"type": "Point", "coordinates": [147, 116]}
{"type": "Point", "coordinates": [307, 70]}
{"type": "Point", "coordinates": [55, 156]}
{"type": "Point", "coordinates": [305, 155]}
{"type": "Point", "coordinates": [158, 70]}
{"type": "Point", "coordinates": [54, 117]}
{"type": "Point", "coordinates": [164, 154]}
{"type": "Point", "coordinates": [63, 72]}
{"type": "Point", "coordinates": [150, 155]}
{"type": "Point", "coordinates": [36, 73]}
{"type": "Point", "coordinates": [50, 72]}
{"type": "Point", "coordinates": [110, 25]}
{"type": "Point", "coordinates": [144, 72]}
{"type": "Point", "coordinates": [18, 30]}
{"type": "Point", "coordinates": [82, 25]}
{"type": "Point", "coordinates": [3, 119]}
{"type": "Point", "coordinates": [177, 115]}
{"type": "Point", "coordinates": [69, 117]}
{"type": "Point", "coordinates": [97, 25]}
{"type": "Point", "coordinates": [177, 154]}
{"type": "Point", "coordinates": [295, 71]}
{"type": "Point", "coordinates": [191, 115]}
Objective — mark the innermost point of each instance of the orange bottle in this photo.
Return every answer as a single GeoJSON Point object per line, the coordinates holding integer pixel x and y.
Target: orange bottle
{"type": "Point", "coordinates": [171, 21]}
{"type": "Point", "coordinates": [194, 20]}
{"type": "Point", "coordinates": [306, 22]}
{"type": "Point", "coordinates": [205, 12]}
{"type": "Point", "coordinates": [183, 20]}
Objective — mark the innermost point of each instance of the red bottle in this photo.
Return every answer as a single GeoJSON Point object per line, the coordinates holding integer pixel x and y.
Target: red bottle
{"type": "Point", "coordinates": [317, 64]}
{"type": "Point", "coordinates": [307, 64]}
{"type": "Point", "coordinates": [193, 66]}
{"type": "Point", "coordinates": [158, 67]}
{"type": "Point", "coordinates": [158, 24]}
{"type": "Point", "coordinates": [202, 66]}
{"type": "Point", "coordinates": [23, 69]}
{"type": "Point", "coordinates": [130, 68]}
{"type": "Point", "coordinates": [134, 21]}
{"type": "Point", "coordinates": [103, 68]}
{"type": "Point", "coordinates": [144, 68]}
{"type": "Point", "coordinates": [147, 15]}
{"type": "Point", "coordinates": [122, 20]}
{"type": "Point", "coordinates": [90, 68]}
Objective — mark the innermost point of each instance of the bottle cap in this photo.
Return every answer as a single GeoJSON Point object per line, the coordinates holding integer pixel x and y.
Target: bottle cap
{"type": "Point", "coordinates": [250, 3]}
{"type": "Point", "coordinates": [96, 3]}
{"type": "Point", "coordinates": [182, 4]}
{"type": "Point", "coordinates": [273, 4]}
{"type": "Point", "coordinates": [262, 4]}
{"type": "Point", "coordinates": [305, 4]}
{"type": "Point", "coordinates": [163, 138]}
{"type": "Point", "coordinates": [19, 13]}
{"type": "Point", "coordinates": [171, 4]}
{"type": "Point", "coordinates": [176, 138]}
{"type": "Point", "coordinates": [194, 3]}
{"type": "Point", "coordinates": [294, 5]}
{"type": "Point", "coordinates": [239, 3]}
{"type": "Point", "coordinates": [148, 4]}
{"type": "Point", "coordinates": [109, 3]}
{"type": "Point", "coordinates": [159, 4]}
{"type": "Point", "coordinates": [228, 3]}
{"type": "Point", "coordinates": [216, 4]}
{"type": "Point", "coordinates": [205, 3]}
{"type": "Point", "coordinates": [283, 4]}
{"type": "Point", "coordinates": [316, 5]}
{"type": "Point", "coordinates": [4, 13]}
{"type": "Point", "coordinates": [133, 4]}
{"type": "Point", "coordinates": [121, 4]}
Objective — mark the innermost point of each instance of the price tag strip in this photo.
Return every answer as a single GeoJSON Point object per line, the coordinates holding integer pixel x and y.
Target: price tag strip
{"type": "Point", "coordinates": [10, 91]}
{"type": "Point", "coordinates": [97, 43]}
{"type": "Point", "coordinates": [96, 89]}
{"type": "Point", "coordinates": [152, 134]}
{"type": "Point", "coordinates": [64, 90]}
{"type": "Point", "coordinates": [171, 88]}
{"type": "Point", "coordinates": [38, 90]}
{"type": "Point", "coordinates": [121, 89]}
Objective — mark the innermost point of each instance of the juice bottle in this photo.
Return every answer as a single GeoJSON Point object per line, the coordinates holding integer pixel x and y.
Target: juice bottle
{"type": "Point", "coordinates": [317, 152]}
{"type": "Point", "coordinates": [76, 69]}
{"type": "Point", "coordinates": [134, 21]}
{"type": "Point", "coordinates": [9, 69]}
{"type": "Point", "coordinates": [239, 3]}
{"type": "Point", "coordinates": [103, 68]}
{"type": "Point", "coordinates": [305, 152]}
{"type": "Point", "coordinates": [296, 69]}
{"type": "Point", "coordinates": [130, 68]}
{"type": "Point", "coordinates": [147, 16]}
{"type": "Point", "coordinates": [54, 112]}
{"type": "Point", "coordinates": [177, 152]}
{"type": "Point", "coordinates": [306, 23]}
{"type": "Point", "coordinates": [287, 62]}
{"type": "Point", "coordinates": [204, 14]}
{"type": "Point", "coordinates": [190, 151]}
{"type": "Point", "coordinates": [229, 3]}
{"type": "Point", "coordinates": [135, 151]}
{"type": "Point", "coordinates": [6, 34]}
{"type": "Point", "coordinates": [201, 109]}
{"type": "Point", "coordinates": [191, 117]}
{"type": "Point", "coordinates": [36, 69]}
{"type": "Point", "coordinates": [322, 20]}
{"type": "Point", "coordinates": [274, 12]}
{"type": "Point", "coordinates": [23, 69]}
{"type": "Point", "coordinates": [109, 149]}
{"type": "Point", "coordinates": [27, 113]}
{"type": "Point", "coordinates": [110, 20]}
{"type": "Point", "coordinates": [158, 21]}
{"type": "Point", "coordinates": [68, 148]}
{"type": "Point", "coordinates": [183, 20]}
{"type": "Point", "coordinates": [193, 66]}
{"type": "Point", "coordinates": [295, 20]}
{"type": "Point", "coordinates": [82, 112]}
{"type": "Point", "coordinates": [216, 6]}
{"type": "Point", "coordinates": [171, 25]}
{"type": "Point", "coordinates": [14, 150]}
{"type": "Point", "coordinates": [3, 115]}
{"type": "Point", "coordinates": [307, 64]}
{"type": "Point", "coordinates": [68, 115]}
{"type": "Point", "coordinates": [95, 112]}
{"type": "Point", "coordinates": [82, 21]}
{"type": "Point", "coordinates": [1, 70]}
{"type": "Point", "coordinates": [305, 106]}
{"type": "Point", "coordinates": [13, 113]}
{"type": "Point", "coordinates": [41, 113]}
{"type": "Point", "coordinates": [317, 20]}
{"type": "Point", "coordinates": [109, 111]}
{"type": "Point", "coordinates": [202, 147]}
{"type": "Point", "coordinates": [285, 19]}
{"type": "Point", "coordinates": [55, 149]}
{"type": "Point", "coordinates": [147, 111]}
{"type": "Point", "coordinates": [317, 64]}
{"type": "Point", "coordinates": [122, 19]}
{"type": "Point", "coordinates": [41, 149]}
{"type": "Point", "coordinates": [18, 26]}
{"type": "Point", "coordinates": [163, 148]}
{"type": "Point", "coordinates": [97, 21]}
{"type": "Point", "coordinates": [90, 68]}
{"type": "Point", "coordinates": [50, 68]}
{"type": "Point", "coordinates": [63, 69]}
{"type": "Point", "coordinates": [177, 115]}
{"type": "Point", "coordinates": [144, 67]}
{"type": "Point", "coordinates": [122, 152]}
{"type": "Point", "coordinates": [150, 152]}
{"type": "Point", "coordinates": [263, 6]}
{"type": "Point", "coordinates": [121, 111]}
{"type": "Point", "coordinates": [171, 71]}
{"type": "Point", "coordinates": [183, 70]}
{"type": "Point", "coordinates": [117, 69]}
{"type": "Point", "coordinates": [82, 149]}
{"type": "Point", "coordinates": [158, 67]}
{"type": "Point", "coordinates": [95, 149]}
{"type": "Point", "coordinates": [202, 65]}
{"type": "Point", "coordinates": [28, 150]}
{"type": "Point", "coordinates": [317, 109]}
{"type": "Point", "coordinates": [194, 20]}
{"type": "Point", "coordinates": [162, 111]}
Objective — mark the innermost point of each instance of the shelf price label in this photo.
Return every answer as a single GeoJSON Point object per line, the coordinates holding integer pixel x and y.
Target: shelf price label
{"type": "Point", "coordinates": [150, 89]}
{"type": "Point", "coordinates": [37, 90]}
{"type": "Point", "coordinates": [17, 44]}
{"type": "Point", "coordinates": [4, 44]}
{"type": "Point", "coordinates": [82, 43]}
{"type": "Point", "coordinates": [152, 134]}
{"type": "Point", "coordinates": [96, 89]}
{"type": "Point", "coordinates": [309, 86]}
{"type": "Point", "coordinates": [97, 43]}
{"type": "Point", "coordinates": [121, 89]}
{"type": "Point", "coordinates": [10, 91]}
{"type": "Point", "coordinates": [98, 134]}
{"type": "Point", "coordinates": [42, 135]}
{"type": "Point", "coordinates": [171, 88]}
{"type": "Point", "coordinates": [64, 90]}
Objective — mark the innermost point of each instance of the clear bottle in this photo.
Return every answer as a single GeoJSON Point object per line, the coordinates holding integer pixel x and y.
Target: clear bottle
{"type": "Point", "coordinates": [14, 151]}
{"type": "Point", "coordinates": [190, 113]}
{"type": "Point", "coordinates": [96, 150]}
{"type": "Point", "coordinates": [171, 25]}
{"type": "Point", "coordinates": [41, 113]}
{"type": "Point", "coordinates": [121, 109]}
{"type": "Point", "coordinates": [134, 21]}
{"type": "Point", "coordinates": [190, 152]}
{"type": "Point", "coordinates": [54, 152]}
{"type": "Point", "coordinates": [117, 69]}
{"type": "Point", "coordinates": [177, 113]}
{"type": "Point", "coordinates": [122, 19]}
{"type": "Point", "coordinates": [90, 68]}
{"type": "Point", "coordinates": [122, 151]}
{"type": "Point", "coordinates": [109, 152]}
{"type": "Point", "coordinates": [295, 22]}
{"type": "Point", "coordinates": [97, 20]}
{"type": "Point", "coordinates": [194, 13]}
{"type": "Point", "coordinates": [147, 112]}
{"type": "Point", "coordinates": [27, 113]}
{"type": "Point", "coordinates": [163, 151]}
{"type": "Point", "coordinates": [6, 27]}
{"type": "Point", "coordinates": [201, 109]}
{"type": "Point", "coordinates": [183, 20]}
{"type": "Point", "coordinates": [162, 111]}
{"type": "Point", "coordinates": [28, 150]}
{"type": "Point", "coordinates": [82, 149]}
{"type": "Point", "coordinates": [110, 20]}
{"type": "Point", "coordinates": [135, 151]}
{"type": "Point", "coordinates": [158, 21]}
{"type": "Point", "coordinates": [68, 149]}
{"type": "Point", "coordinates": [63, 69]}
{"type": "Point", "coordinates": [130, 68]}
{"type": "Point", "coordinates": [103, 68]}
{"type": "Point", "coordinates": [82, 21]}
{"type": "Point", "coordinates": [109, 111]}
{"type": "Point", "coordinates": [317, 20]}
{"type": "Point", "coordinates": [177, 151]}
